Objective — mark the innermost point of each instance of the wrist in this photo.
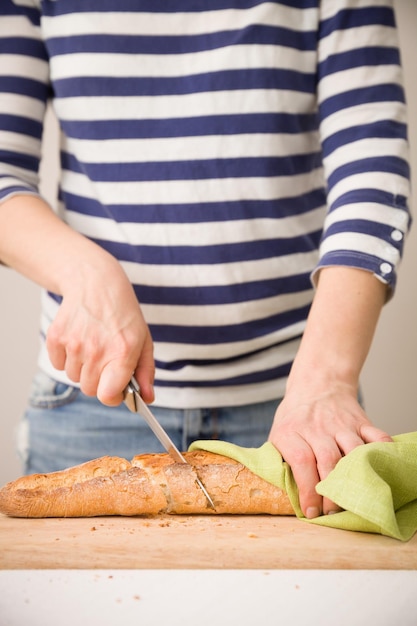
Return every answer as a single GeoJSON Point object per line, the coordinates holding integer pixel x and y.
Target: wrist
{"type": "Point", "coordinates": [85, 266]}
{"type": "Point", "coordinates": [338, 332]}
{"type": "Point", "coordinates": [321, 377]}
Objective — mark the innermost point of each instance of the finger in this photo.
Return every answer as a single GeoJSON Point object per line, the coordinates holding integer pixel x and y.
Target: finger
{"type": "Point", "coordinates": [300, 457]}
{"type": "Point", "coordinates": [113, 381]}
{"type": "Point", "coordinates": [145, 372]}
{"type": "Point", "coordinates": [348, 441]}
{"type": "Point", "coordinates": [56, 350]}
{"type": "Point", "coordinates": [327, 455]}
{"type": "Point", "coordinates": [372, 434]}
{"type": "Point", "coordinates": [89, 379]}
{"type": "Point", "coordinates": [74, 359]}
{"type": "Point", "coordinates": [73, 369]}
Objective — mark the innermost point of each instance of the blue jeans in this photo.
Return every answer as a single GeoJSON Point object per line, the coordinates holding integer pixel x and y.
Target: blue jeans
{"type": "Point", "coordinates": [62, 427]}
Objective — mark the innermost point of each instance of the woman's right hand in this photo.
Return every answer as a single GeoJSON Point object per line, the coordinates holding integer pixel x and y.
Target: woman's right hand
{"type": "Point", "coordinates": [99, 336]}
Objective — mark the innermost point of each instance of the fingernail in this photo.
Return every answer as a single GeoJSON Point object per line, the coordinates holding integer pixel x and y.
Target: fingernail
{"type": "Point", "coordinates": [333, 512]}
{"type": "Point", "coordinates": [312, 511]}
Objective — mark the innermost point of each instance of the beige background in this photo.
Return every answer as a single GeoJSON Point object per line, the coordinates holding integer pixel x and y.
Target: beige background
{"type": "Point", "coordinates": [389, 377]}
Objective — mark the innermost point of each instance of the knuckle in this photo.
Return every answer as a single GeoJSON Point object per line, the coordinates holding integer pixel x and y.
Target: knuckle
{"type": "Point", "coordinates": [74, 346]}
{"type": "Point", "coordinates": [53, 336]}
{"type": "Point", "coordinates": [326, 460]}
{"type": "Point", "coordinates": [301, 456]}
{"type": "Point", "coordinates": [88, 389]}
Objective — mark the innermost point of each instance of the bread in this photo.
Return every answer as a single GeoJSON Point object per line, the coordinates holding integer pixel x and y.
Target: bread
{"type": "Point", "coordinates": [149, 485]}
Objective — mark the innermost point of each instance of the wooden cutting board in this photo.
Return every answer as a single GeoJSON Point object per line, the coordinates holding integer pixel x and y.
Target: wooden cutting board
{"type": "Point", "coordinates": [194, 542]}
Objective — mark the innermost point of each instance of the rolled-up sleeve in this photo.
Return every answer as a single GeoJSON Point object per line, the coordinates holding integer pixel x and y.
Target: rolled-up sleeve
{"type": "Point", "coordinates": [364, 138]}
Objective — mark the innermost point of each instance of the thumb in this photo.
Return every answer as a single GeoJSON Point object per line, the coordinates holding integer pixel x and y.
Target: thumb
{"type": "Point", "coordinates": [113, 381]}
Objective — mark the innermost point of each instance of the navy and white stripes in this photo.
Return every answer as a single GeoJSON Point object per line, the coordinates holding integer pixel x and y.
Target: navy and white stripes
{"type": "Point", "coordinates": [205, 145]}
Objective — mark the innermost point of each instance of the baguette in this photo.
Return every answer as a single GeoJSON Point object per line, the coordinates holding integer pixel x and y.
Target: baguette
{"type": "Point", "coordinates": [150, 484]}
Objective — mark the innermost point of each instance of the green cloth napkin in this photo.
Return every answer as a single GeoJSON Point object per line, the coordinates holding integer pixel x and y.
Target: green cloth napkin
{"type": "Point", "coordinates": [375, 484]}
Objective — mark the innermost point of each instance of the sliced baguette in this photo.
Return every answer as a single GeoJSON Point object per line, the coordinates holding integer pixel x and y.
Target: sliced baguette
{"type": "Point", "coordinates": [150, 484]}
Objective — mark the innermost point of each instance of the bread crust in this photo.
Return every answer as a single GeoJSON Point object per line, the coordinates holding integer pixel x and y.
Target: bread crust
{"type": "Point", "coordinates": [150, 484]}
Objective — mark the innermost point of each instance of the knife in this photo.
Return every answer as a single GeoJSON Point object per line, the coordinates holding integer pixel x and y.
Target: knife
{"type": "Point", "coordinates": [135, 403]}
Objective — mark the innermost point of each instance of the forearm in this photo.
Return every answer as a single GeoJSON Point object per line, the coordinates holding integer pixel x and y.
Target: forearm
{"type": "Point", "coordinates": [320, 420]}
{"type": "Point", "coordinates": [99, 336]}
{"type": "Point", "coordinates": [36, 243]}
{"type": "Point", "coordinates": [339, 330]}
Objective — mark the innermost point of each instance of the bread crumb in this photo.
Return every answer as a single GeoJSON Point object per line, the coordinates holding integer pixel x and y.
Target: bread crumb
{"type": "Point", "coordinates": [93, 528]}
{"type": "Point", "coordinates": [252, 536]}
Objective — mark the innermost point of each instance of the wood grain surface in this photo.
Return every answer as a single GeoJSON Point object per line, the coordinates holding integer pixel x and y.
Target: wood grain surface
{"type": "Point", "coordinates": [194, 542]}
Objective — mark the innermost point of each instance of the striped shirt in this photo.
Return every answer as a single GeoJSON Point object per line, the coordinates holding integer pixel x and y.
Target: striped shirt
{"type": "Point", "coordinates": [223, 151]}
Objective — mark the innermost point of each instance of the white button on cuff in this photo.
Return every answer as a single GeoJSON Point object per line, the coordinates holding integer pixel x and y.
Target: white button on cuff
{"type": "Point", "coordinates": [385, 268]}
{"type": "Point", "coordinates": [396, 235]}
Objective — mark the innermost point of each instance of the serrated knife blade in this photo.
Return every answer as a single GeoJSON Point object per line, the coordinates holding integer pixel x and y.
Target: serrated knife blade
{"type": "Point", "coordinates": [136, 404]}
